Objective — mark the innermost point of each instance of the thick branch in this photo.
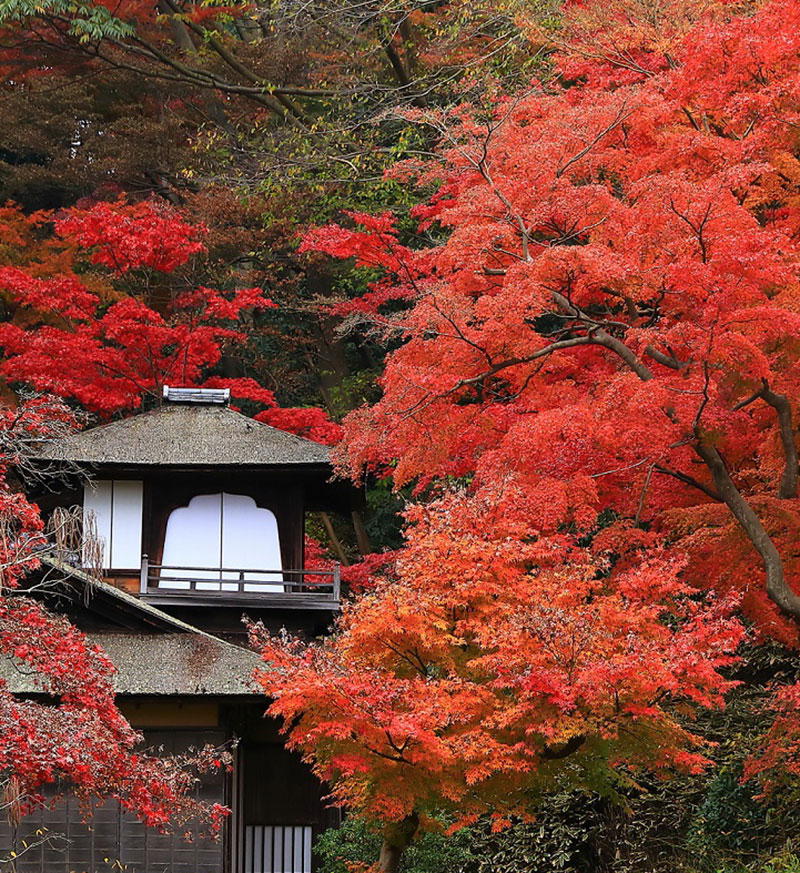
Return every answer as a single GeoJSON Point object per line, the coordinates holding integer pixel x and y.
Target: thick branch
{"type": "Point", "coordinates": [197, 78]}
{"type": "Point", "coordinates": [235, 64]}
{"type": "Point", "coordinates": [180, 33]}
{"type": "Point", "coordinates": [615, 345]}
{"type": "Point", "coordinates": [665, 360]}
{"type": "Point", "coordinates": [601, 337]}
{"type": "Point", "coordinates": [397, 63]}
{"type": "Point", "coordinates": [777, 588]}
{"type": "Point", "coordinates": [780, 403]}
{"type": "Point", "coordinates": [556, 753]}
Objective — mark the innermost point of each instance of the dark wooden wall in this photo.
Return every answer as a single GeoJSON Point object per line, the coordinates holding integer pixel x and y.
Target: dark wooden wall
{"type": "Point", "coordinates": [59, 841]}
{"type": "Point", "coordinates": [278, 789]}
{"type": "Point", "coordinates": [269, 786]}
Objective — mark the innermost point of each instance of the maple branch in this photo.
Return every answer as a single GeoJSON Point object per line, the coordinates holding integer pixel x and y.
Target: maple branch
{"type": "Point", "coordinates": [692, 121]}
{"type": "Point", "coordinates": [742, 404]}
{"type": "Point", "coordinates": [460, 333]}
{"type": "Point", "coordinates": [419, 665]}
{"type": "Point", "coordinates": [665, 360]}
{"type": "Point", "coordinates": [780, 403]}
{"type": "Point", "coordinates": [620, 117]}
{"type": "Point", "coordinates": [616, 345]}
{"type": "Point", "coordinates": [556, 753]}
{"type": "Point", "coordinates": [688, 480]}
{"type": "Point", "coordinates": [596, 335]}
{"type": "Point", "coordinates": [778, 590]}
{"type": "Point", "coordinates": [601, 337]}
{"type": "Point", "coordinates": [526, 359]}
{"type": "Point", "coordinates": [698, 229]}
{"type": "Point", "coordinates": [643, 495]}
{"type": "Point", "coordinates": [483, 169]}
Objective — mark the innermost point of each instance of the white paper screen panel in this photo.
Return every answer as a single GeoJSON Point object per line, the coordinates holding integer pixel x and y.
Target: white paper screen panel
{"type": "Point", "coordinates": [277, 849]}
{"type": "Point", "coordinates": [250, 540]}
{"type": "Point", "coordinates": [225, 531]}
{"type": "Point", "coordinates": [126, 524]}
{"type": "Point", "coordinates": [192, 539]}
{"type": "Point", "coordinates": [97, 503]}
{"type": "Point", "coordinates": [117, 508]}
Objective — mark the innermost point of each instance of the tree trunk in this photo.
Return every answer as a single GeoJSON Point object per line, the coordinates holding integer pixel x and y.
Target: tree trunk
{"type": "Point", "coordinates": [362, 537]}
{"type": "Point", "coordinates": [334, 540]}
{"type": "Point", "coordinates": [396, 839]}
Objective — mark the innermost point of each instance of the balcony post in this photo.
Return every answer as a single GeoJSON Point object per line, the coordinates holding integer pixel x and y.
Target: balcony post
{"type": "Point", "coordinates": [145, 572]}
{"type": "Point", "coordinates": [337, 582]}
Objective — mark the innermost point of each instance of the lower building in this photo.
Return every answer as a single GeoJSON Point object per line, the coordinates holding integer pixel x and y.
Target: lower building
{"type": "Point", "coordinates": [182, 687]}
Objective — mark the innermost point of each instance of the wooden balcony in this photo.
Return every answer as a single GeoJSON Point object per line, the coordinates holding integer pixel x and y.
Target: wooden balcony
{"type": "Point", "coordinates": [228, 586]}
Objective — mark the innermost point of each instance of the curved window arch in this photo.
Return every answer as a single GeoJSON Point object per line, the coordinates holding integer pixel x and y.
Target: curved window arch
{"type": "Point", "coordinates": [226, 531]}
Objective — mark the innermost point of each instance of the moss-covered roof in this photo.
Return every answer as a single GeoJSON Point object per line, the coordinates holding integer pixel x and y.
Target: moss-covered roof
{"type": "Point", "coordinates": [187, 435]}
{"type": "Point", "coordinates": [172, 658]}
{"type": "Point", "coordinates": [162, 664]}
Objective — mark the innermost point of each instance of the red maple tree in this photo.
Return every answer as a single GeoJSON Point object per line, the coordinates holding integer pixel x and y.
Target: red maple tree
{"type": "Point", "coordinates": [103, 316]}
{"type": "Point", "coordinates": [598, 372]}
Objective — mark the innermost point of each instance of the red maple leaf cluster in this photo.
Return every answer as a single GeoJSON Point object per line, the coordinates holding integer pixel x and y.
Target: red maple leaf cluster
{"type": "Point", "coordinates": [108, 339]}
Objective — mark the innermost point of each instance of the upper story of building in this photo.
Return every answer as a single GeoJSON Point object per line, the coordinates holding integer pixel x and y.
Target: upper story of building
{"type": "Point", "coordinates": [194, 505]}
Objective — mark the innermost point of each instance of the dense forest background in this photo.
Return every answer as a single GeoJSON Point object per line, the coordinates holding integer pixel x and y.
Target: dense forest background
{"type": "Point", "coordinates": [221, 135]}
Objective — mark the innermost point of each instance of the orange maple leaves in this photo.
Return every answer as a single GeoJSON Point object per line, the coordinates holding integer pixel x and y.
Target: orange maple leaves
{"type": "Point", "coordinates": [465, 680]}
{"type": "Point", "coordinates": [602, 354]}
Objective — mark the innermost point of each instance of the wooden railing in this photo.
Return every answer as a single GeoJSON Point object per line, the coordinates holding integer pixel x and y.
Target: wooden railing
{"type": "Point", "coordinates": [314, 583]}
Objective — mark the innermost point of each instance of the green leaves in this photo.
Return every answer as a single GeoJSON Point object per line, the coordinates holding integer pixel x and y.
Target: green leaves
{"type": "Point", "coordinates": [89, 22]}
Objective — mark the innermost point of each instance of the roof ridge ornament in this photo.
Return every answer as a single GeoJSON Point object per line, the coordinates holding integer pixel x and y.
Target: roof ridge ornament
{"type": "Point", "coordinates": [215, 396]}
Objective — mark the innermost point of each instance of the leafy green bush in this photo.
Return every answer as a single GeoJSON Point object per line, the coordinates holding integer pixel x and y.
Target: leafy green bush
{"type": "Point", "coordinates": [786, 862]}
{"type": "Point", "coordinates": [573, 833]}
{"type": "Point", "coordinates": [728, 819]}
{"type": "Point", "coordinates": [355, 842]}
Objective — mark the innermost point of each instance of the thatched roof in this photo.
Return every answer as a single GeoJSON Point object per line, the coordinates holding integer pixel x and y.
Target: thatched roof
{"type": "Point", "coordinates": [170, 656]}
{"type": "Point", "coordinates": [184, 435]}
{"type": "Point", "coordinates": [156, 664]}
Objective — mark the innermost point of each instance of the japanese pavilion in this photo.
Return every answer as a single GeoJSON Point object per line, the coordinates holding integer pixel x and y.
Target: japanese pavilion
{"type": "Point", "coordinates": [195, 515]}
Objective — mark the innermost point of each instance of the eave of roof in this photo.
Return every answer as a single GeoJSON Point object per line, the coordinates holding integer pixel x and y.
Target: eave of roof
{"type": "Point", "coordinates": [175, 665]}
{"type": "Point", "coordinates": [127, 602]}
